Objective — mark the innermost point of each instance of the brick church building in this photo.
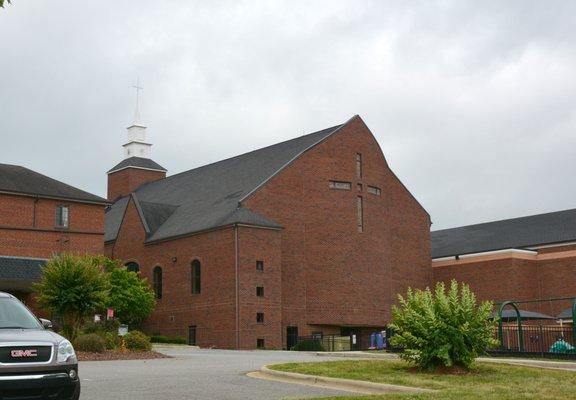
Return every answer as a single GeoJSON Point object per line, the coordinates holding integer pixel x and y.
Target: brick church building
{"type": "Point", "coordinates": [315, 235]}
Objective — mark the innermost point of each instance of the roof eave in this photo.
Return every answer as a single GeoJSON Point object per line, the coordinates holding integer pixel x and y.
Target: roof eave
{"type": "Point", "coordinates": [63, 198]}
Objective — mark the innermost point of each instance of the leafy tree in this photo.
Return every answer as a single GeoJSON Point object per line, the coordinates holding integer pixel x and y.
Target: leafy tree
{"type": "Point", "coordinates": [74, 287]}
{"type": "Point", "coordinates": [2, 3]}
{"type": "Point", "coordinates": [444, 328]}
{"type": "Point", "coordinates": [130, 295]}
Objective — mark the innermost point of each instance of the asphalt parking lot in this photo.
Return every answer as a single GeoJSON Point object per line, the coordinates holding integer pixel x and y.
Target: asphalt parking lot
{"type": "Point", "coordinates": [194, 374]}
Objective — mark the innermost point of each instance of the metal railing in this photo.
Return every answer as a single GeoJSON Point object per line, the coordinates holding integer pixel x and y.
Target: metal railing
{"type": "Point", "coordinates": [536, 340]}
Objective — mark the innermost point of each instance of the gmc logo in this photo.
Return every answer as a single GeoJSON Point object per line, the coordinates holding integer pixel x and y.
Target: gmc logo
{"type": "Point", "coordinates": [24, 353]}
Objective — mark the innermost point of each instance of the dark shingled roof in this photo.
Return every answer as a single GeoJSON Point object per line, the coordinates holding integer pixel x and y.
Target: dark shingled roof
{"type": "Point", "coordinates": [138, 162]}
{"type": "Point", "coordinates": [21, 268]}
{"type": "Point", "coordinates": [20, 180]}
{"type": "Point", "coordinates": [210, 196]}
{"type": "Point", "coordinates": [113, 218]}
{"type": "Point", "coordinates": [516, 233]}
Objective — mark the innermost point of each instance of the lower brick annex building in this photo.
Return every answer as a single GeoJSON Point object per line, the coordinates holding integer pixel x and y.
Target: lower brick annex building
{"type": "Point", "coordinates": [40, 216]}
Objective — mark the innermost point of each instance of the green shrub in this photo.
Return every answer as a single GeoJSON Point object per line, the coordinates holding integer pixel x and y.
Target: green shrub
{"type": "Point", "coordinates": [168, 339]}
{"type": "Point", "coordinates": [110, 325]}
{"type": "Point", "coordinates": [91, 342]}
{"type": "Point", "coordinates": [309, 345]}
{"type": "Point", "coordinates": [73, 287]}
{"type": "Point", "coordinates": [136, 340]}
{"type": "Point", "coordinates": [442, 328]}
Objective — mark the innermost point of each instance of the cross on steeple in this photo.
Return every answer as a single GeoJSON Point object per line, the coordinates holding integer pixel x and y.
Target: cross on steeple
{"type": "Point", "coordinates": [137, 112]}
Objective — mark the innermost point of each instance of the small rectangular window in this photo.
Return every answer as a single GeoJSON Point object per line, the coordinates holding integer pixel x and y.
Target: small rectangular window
{"type": "Point", "coordinates": [62, 216]}
{"type": "Point", "coordinates": [260, 291]}
{"type": "Point", "coordinates": [260, 318]}
{"type": "Point", "coordinates": [359, 165]}
{"type": "Point", "coordinates": [338, 185]}
{"type": "Point", "coordinates": [259, 265]}
{"type": "Point", "coordinates": [260, 343]}
{"type": "Point", "coordinates": [374, 190]}
{"type": "Point", "coordinates": [360, 214]}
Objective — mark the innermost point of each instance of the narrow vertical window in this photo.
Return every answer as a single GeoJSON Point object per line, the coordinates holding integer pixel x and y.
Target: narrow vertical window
{"type": "Point", "coordinates": [359, 165]}
{"type": "Point", "coordinates": [62, 216]}
{"type": "Point", "coordinates": [157, 282]}
{"type": "Point", "coordinates": [132, 267]}
{"type": "Point", "coordinates": [259, 265]}
{"type": "Point", "coordinates": [196, 270]}
{"type": "Point", "coordinates": [260, 318]}
{"type": "Point", "coordinates": [260, 291]}
{"type": "Point", "coordinates": [360, 214]}
{"type": "Point", "coordinates": [260, 343]}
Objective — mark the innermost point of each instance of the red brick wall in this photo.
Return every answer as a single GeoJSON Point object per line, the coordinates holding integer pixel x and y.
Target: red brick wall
{"type": "Point", "coordinates": [260, 245]}
{"type": "Point", "coordinates": [497, 280]}
{"type": "Point", "coordinates": [213, 311]}
{"type": "Point", "coordinates": [124, 182]}
{"type": "Point", "coordinates": [548, 275]}
{"type": "Point", "coordinates": [331, 274]}
{"type": "Point", "coordinates": [27, 227]}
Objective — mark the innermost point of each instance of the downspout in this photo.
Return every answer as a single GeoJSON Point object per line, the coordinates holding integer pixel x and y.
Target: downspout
{"type": "Point", "coordinates": [34, 212]}
{"type": "Point", "coordinates": [237, 287]}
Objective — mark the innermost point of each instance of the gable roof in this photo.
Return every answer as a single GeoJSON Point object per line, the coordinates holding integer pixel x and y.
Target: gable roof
{"type": "Point", "coordinates": [211, 196]}
{"type": "Point", "coordinates": [516, 233]}
{"type": "Point", "coordinates": [20, 180]}
{"type": "Point", "coordinates": [138, 162]}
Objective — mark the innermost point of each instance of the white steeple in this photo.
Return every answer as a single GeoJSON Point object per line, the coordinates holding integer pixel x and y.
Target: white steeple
{"type": "Point", "coordinates": [137, 145]}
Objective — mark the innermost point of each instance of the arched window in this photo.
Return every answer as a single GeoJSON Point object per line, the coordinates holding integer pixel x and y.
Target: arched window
{"type": "Point", "coordinates": [132, 267]}
{"type": "Point", "coordinates": [195, 277]}
{"type": "Point", "coordinates": [157, 282]}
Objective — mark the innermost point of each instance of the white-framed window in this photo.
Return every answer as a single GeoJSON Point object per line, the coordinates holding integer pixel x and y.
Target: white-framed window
{"type": "Point", "coordinates": [62, 216]}
{"type": "Point", "coordinates": [339, 185]}
{"type": "Point", "coordinates": [374, 190]}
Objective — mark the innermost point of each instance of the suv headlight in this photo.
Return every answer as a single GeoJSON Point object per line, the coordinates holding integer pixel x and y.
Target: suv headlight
{"type": "Point", "coordinates": [65, 351]}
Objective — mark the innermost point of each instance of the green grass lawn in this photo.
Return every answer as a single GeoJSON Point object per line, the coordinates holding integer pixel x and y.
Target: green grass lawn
{"type": "Point", "coordinates": [488, 381]}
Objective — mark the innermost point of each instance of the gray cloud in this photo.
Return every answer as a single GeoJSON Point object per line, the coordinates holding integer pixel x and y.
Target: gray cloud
{"type": "Point", "coordinates": [473, 103]}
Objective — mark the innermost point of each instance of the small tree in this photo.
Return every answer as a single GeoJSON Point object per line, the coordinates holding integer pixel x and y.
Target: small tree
{"type": "Point", "coordinates": [74, 287]}
{"type": "Point", "coordinates": [4, 1]}
{"type": "Point", "coordinates": [130, 295]}
{"type": "Point", "coordinates": [442, 328]}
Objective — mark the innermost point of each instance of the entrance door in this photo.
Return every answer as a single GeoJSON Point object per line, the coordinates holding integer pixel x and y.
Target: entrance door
{"type": "Point", "coordinates": [291, 337]}
{"type": "Point", "coordinates": [192, 335]}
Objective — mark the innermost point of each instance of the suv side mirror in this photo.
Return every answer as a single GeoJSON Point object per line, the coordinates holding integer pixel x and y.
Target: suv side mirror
{"type": "Point", "coordinates": [46, 323]}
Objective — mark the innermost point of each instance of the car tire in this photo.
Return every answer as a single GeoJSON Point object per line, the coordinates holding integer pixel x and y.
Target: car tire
{"type": "Point", "coordinates": [76, 395]}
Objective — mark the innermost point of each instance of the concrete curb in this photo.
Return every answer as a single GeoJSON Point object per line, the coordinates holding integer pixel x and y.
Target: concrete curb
{"type": "Point", "coordinates": [347, 385]}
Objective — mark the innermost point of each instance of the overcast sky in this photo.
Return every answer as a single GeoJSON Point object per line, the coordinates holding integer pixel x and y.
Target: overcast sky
{"type": "Point", "coordinates": [473, 103]}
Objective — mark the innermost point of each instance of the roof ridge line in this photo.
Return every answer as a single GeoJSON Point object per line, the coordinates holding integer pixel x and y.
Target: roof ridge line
{"type": "Point", "coordinates": [337, 128]}
{"type": "Point", "coordinates": [140, 213]}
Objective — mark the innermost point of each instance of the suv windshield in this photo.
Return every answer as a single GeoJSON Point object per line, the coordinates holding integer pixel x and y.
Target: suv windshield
{"type": "Point", "coordinates": [15, 315]}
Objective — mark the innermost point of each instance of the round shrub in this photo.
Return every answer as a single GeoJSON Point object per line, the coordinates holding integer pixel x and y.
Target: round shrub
{"type": "Point", "coordinates": [90, 342]}
{"type": "Point", "coordinates": [136, 340]}
{"type": "Point", "coordinates": [444, 328]}
{"type": "Point", "coordinates": [309, 345]}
